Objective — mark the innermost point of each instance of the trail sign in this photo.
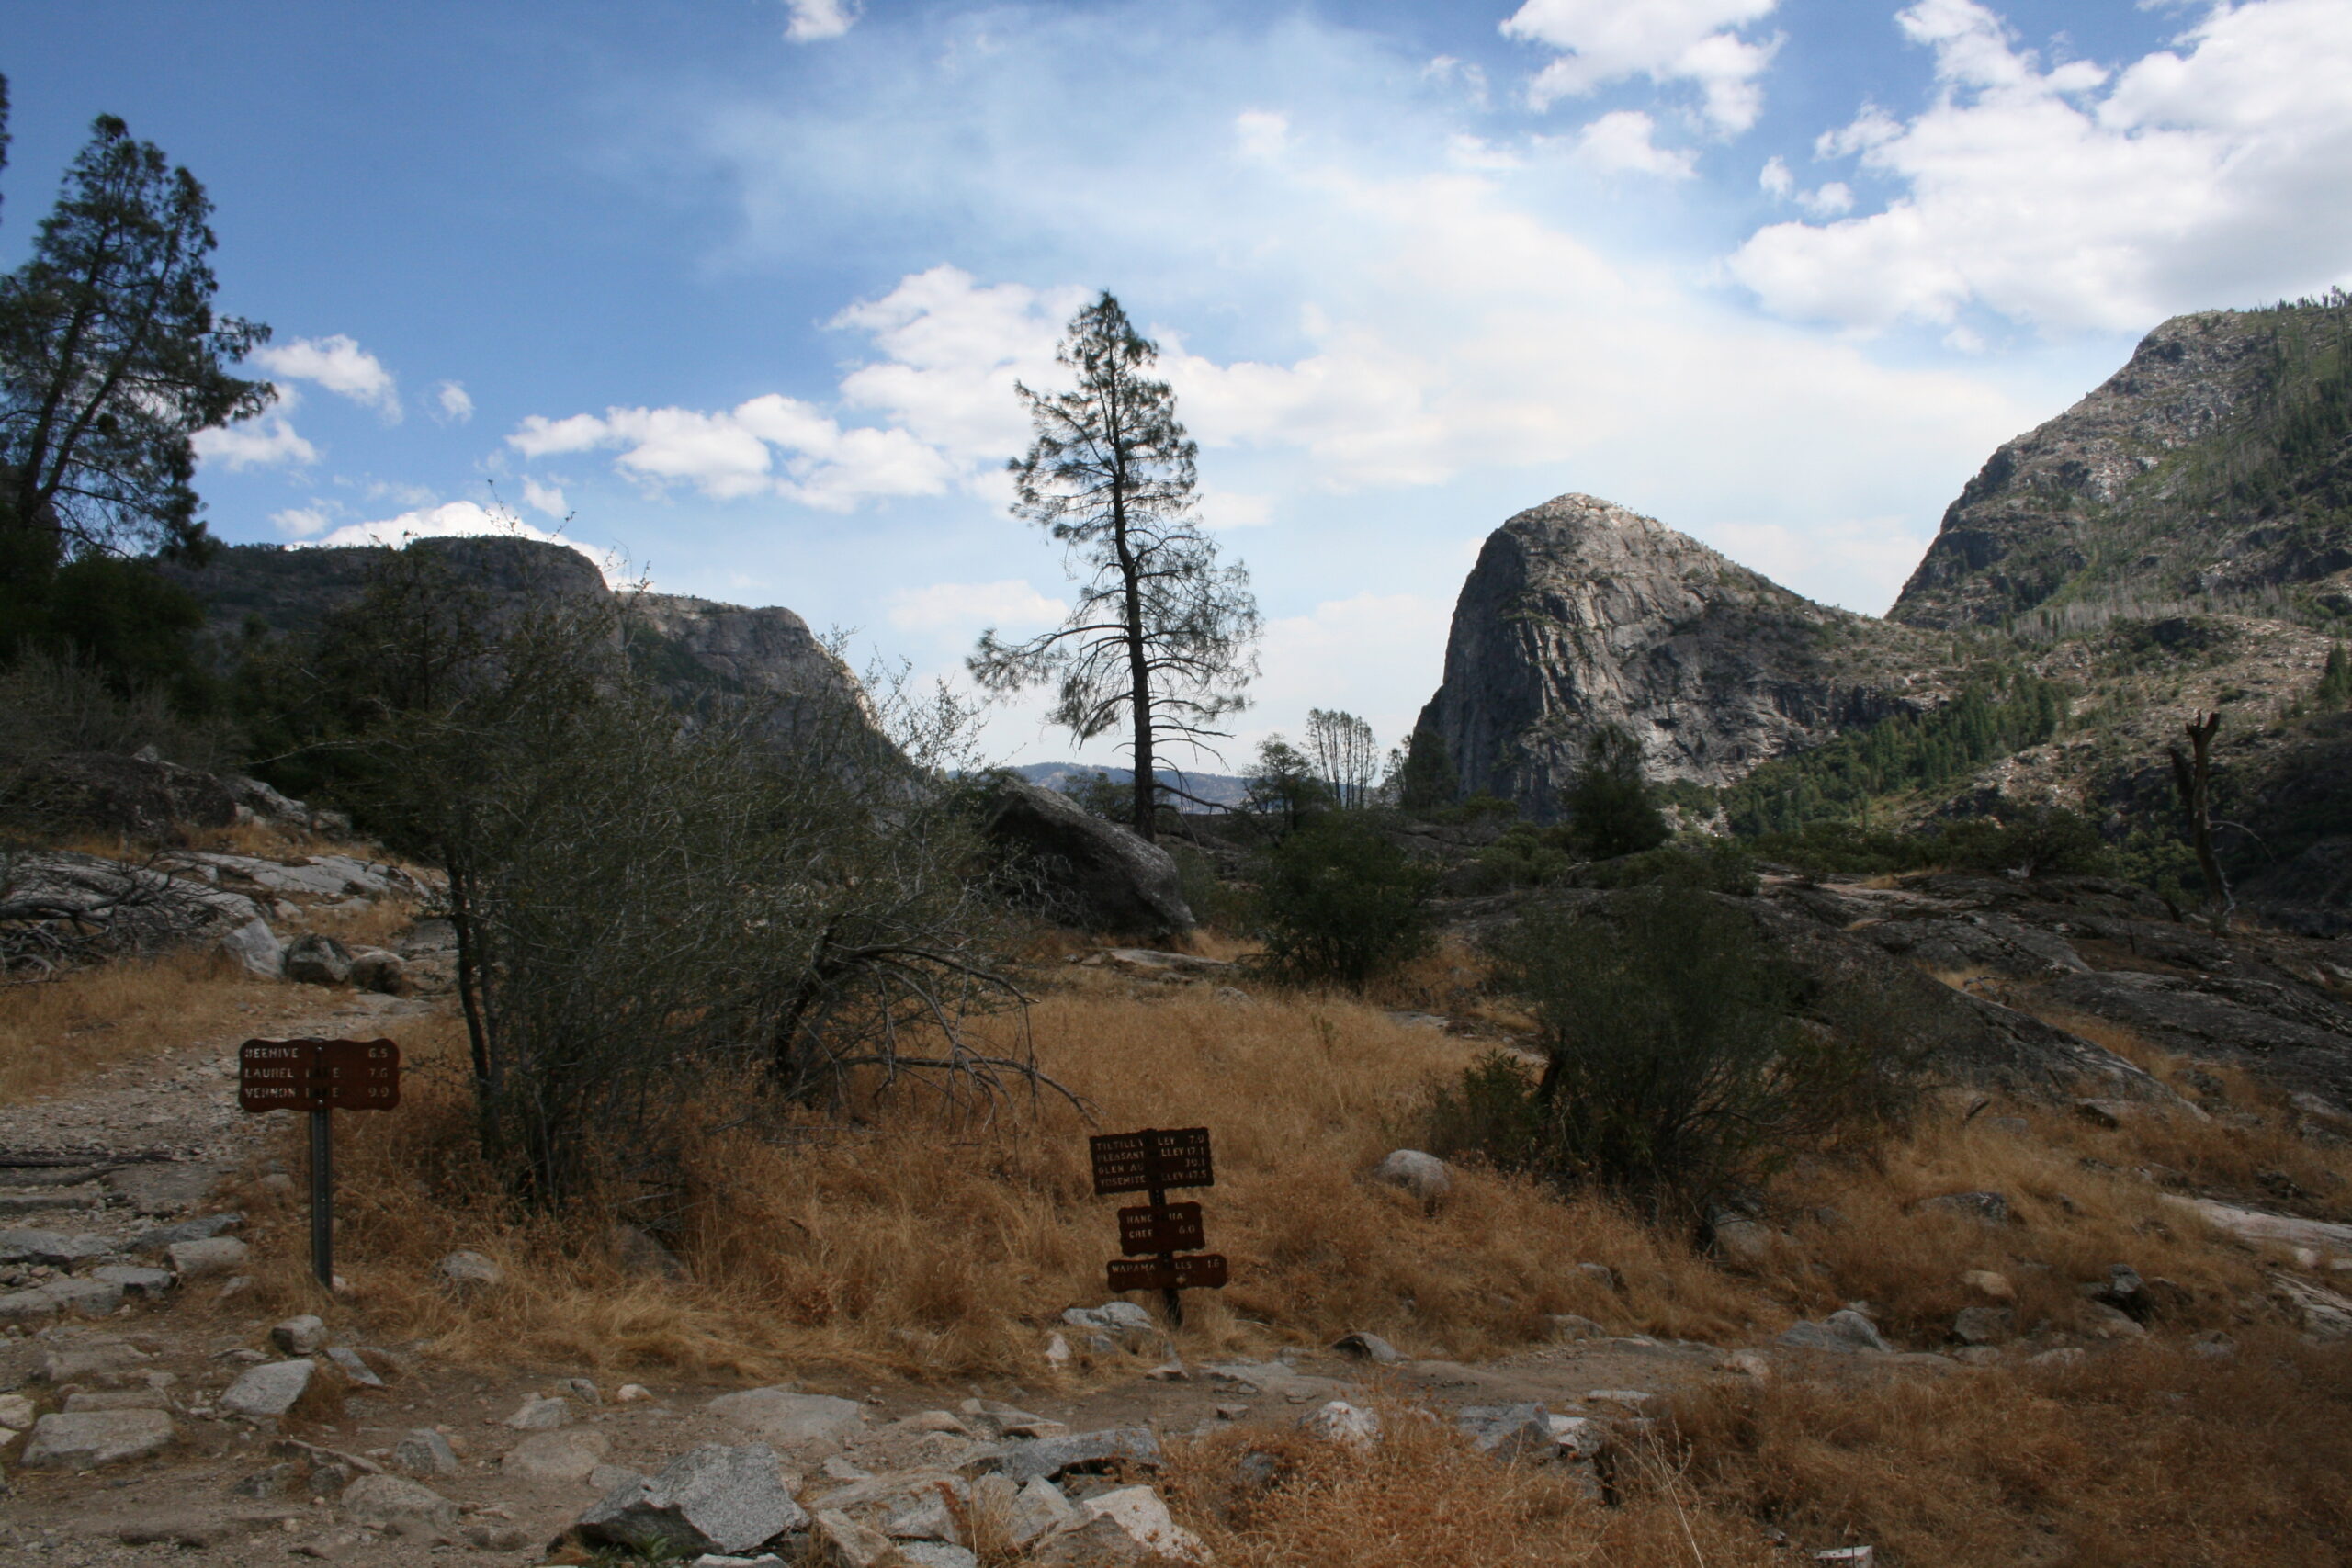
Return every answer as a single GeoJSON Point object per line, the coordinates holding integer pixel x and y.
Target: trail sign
{"type": "Point", "coordinates": [1155, 1157]}
{"type": "Point", "coordinates": [321, 1077]}
{"type": "Point", "coordinates": [1153, 1234]}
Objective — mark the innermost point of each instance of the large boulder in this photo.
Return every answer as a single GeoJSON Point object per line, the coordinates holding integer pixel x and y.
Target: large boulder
{"type": "Point", "coordinates": [1080, 870]}
{"type": "Point", "coordinates": [714, 1499]}
{"type": "Point", "coordinates": [142, 796]}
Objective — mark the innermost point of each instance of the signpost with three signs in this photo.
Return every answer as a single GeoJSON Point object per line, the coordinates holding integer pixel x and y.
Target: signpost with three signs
{"type": "Point", "coordinates": [321, 1077]}
{"type": "Point", "coordinates": [1161, 1240]}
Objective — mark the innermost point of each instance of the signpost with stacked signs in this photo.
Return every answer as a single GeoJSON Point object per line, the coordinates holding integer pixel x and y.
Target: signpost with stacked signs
{"type": "Point", "coordinates": [321, 1077]}
{"type": "Point", "coordinates": [1161, 1240]}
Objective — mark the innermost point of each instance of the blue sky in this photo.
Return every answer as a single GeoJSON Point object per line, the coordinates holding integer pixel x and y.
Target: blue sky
{"type": "Point", "coordinates": [741, 287]}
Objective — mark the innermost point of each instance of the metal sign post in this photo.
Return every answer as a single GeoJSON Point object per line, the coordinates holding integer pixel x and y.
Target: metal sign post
{"type": "Point", "coordinates": [1152, 1235]}
{"type": "Point", "coordinates": [321, 1077]}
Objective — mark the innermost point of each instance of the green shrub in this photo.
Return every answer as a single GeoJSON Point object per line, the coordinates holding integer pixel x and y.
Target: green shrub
{"type": "Point", "coordinates": [1711, 866]}
{"type": "Point", "coordinates": [1678, 1069]}
{"type": "Point", "coordinates": [1611, 811]}
{"type": "Point", "coordinates": [1489, 1114]}
{"type": "Point", "coordinates": [1340, 903]}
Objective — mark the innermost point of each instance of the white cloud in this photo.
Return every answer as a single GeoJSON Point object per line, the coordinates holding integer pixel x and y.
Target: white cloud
{"type": "Point", "coordinates": [546, 499]}
{"type": "Point", "coordinates": [813, 20]}
{"type": "Point", "coordinates": [731, 454]}
{"type": "Point", "coordinates": [1618, 143]}
{"type": "Point", "coordinates": [1775, 178]}
{"type": "Point", "coordinates": [456, 405]}
{"type": "Point", "coordinates": [254, 444]}
{"type": "Point", "coordinates": [1446, 68]}
{"type": "Point", "coordinates": [2071, 196]}
{"type": "Point", "coordinates": [1829, 200]}
{"type": "Point", "coordinates": [1667, 40]}
{"type": "Point", "coordinates": [958, 611]}
{"type": "Point", "coordinates": [339, 364]}
{"type": "Point", "coordinates": [1220, 510]}
{"type": "Point", "coordinates": [1375, 655]}
{"type": "Point", "coordinates": [300, 521]}
{"type": "Point", "coordinates": [461, 518]}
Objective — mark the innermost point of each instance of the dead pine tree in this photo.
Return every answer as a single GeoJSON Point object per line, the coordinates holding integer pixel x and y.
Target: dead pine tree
{"type": "Point", "coordinates": [2192, 776]}
{"type": "Point", "coordinates": [1161, 640]}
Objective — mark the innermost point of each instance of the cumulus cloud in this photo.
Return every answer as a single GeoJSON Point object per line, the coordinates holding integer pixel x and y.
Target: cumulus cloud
{"type": "Point", "coordinates": [2073, 195]}
{"type": "Point", "coordinates": [959, 610]}
{"type": "Point", "coordinates": [733, 453]}
{"type": "Point", "coordinates": [544, 499]}
{"type": "Point", "coordinates": [1260, 133]}
{"type": "Point", "coordinates": [461, 518]}
{"type": "Point", "coordinates": [265, 443]}
{"type": "Point", "coordinates": [1695, 42]}
{"type": "Point", "coordinates": [1618, 143]}
{"type": "Point", "coordinates": [339, 364]}
{"type": "Point", "coordinates": [454, 403]}
{"type": "Point", "coordinates": [813, 20]}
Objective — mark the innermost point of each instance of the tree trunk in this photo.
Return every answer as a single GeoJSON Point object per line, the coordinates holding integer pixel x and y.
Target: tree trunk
{"type": "Point", "coordinates": [2192, 776]}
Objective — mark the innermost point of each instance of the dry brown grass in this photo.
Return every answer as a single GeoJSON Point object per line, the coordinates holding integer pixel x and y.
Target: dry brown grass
{"type": "Point", "coordinates": [1424, 1499]}
{"type": "Point", "coordinates": [2145, 1458]}
{"type": "Point", "coordinates": [906, 1245]}
{"type": "Point", "coordinates": [57, 1031]}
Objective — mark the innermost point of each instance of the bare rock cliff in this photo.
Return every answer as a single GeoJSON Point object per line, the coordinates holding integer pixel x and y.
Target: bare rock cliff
{"type": "Point", "coordinates": [1580, 612]}
{"type": "Point", "coordinates": [2215, 466]}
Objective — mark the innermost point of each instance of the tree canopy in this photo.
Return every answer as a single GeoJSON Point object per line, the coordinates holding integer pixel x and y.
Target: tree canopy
{"type": "Point", "coordinates": [111, 359]}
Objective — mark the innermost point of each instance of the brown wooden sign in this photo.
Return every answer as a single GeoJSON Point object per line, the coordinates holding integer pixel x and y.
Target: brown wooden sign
{"type": "Point", "coordinates": [1195, 1271]}
{"type": "Point", "coordinates": [1154, 1158]}
{"type": "Point", "coordinates": [319, 1075]}
{"type": "Point", "coordinates": [1161, 1227]}
{"type": "Point", "coordinates": [1157, 1238]}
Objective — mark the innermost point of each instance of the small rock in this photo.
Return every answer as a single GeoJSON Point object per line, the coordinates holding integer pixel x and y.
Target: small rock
{"type": "Point", "coordinates": [1340, 1422]}
{"type": "Point", "coordinates": [2066, 1356]}
{"type": "Point", "coordinates": [155, 1243]}
{"type": "Point", "coordinates": [1847, 1557]}
{"type": "Point", "coordinates": [584, 1390]}
{"type": "Point", "coordinates": [786, 1417]}
{"type": "Point", "coordinates": [936, 1554]}
{"type": "Point", "coordinates": [86, 1441]}
{"type": "Point", "coordinates": [351, 1364]}
{"type": "Point", "coordinates": [638, 1252]}
{"type": "Point", "coordinates": [1737, 1238]}
{"type": "Point", "coordinates": [466, 1271]}
{"type": "Point", "coordinates": [424, 1452]}
{"type": "Point", "coordinates": [1984, 1208]}
{"type": "Point", "coordinates": [191, 1531]}
{"type": "Point", "coordinates": [504, 1538]}
{"type": "Point", "coordinates": [269, 1391]}
{"type": "Point", "coordinates": [373, 969]}
{"type": "Point", "coordinates": [1364, 1347]}
{"type": "Point", "coordinates": [1977, 1355]}
{"type": "Point", "coordinates": [1423, 1174]}
{"type": "Point", "coordinates": [836, 1540]}
{"type": "Point", "coordinates": [134, 1279]}
{"type": "Point", "coordinates": [1747, 1363]}
{"type": "Point", "coordinates": [1984, 1325]}
{"type": "Point", "coordinates": [199, 1259]}
{"type": "Point", "coordinates": [256, 946]}
{"type": "Point", "coordinates": [317, 959]}
{"type": "Point", "coordinates": [555, 1456]}
{"type": "Point", "coordinates": [1844, 1331]}
{"type": "Point", "coordinates": [1569, 1325]}
{"type": "Point", "coordinates": [303, 1336]}
{"type": "Point", "coordinates": [1008, 1421]}
{"type": "Point", "coordinates": [1128, 1526]}
{"type": "Point", "coordinates": [2105, 1322]}
{"type": "Point", "coordinates": [1037, 1510]}
{"type": "Point", "coordinates": [17, 1412]}
{"type": "Point", "coordinates": [632, 1393]}
{"type": "Point", "coordinates": [1056, 1351]}
{"type": "Point", "coordinates": [400, 1507]}
{"type": "Point", "coordinates": [1507, 1432]}
{"type": "Point", "coordinates": [537, 1414]}
{"type": "Point", "coordinates": [1985, 1282]}
{"type": "Point", "coordinates": [81, 1403]}
{"type": "Point", "coordinates": [1579, 1437]}
{"type": "Point", "coordinates": [1601, 1274]}
{"type": "Point", "coordinates": [2110, 1114]}
{"type": "Point", "coordinates": [606, 1478]}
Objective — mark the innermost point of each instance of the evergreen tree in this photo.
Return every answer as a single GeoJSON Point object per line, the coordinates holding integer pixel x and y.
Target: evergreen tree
{"type": "Point", "coordinates": [1610, 809]}
{"type": "Point", "coordinates": [2336, 682]}
{"type": "Point", "coordinates": [111, 360]}
{"type": "Point", "coordinates": [1161, 640]}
